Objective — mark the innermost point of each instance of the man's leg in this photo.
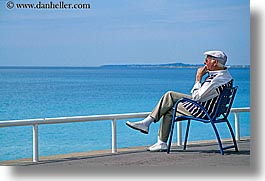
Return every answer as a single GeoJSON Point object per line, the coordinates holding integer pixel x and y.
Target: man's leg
{"type": "Point", "coordinates": [164, 130]}
{"type": "Point", "coordinates": [166, 103]}
{"type": "Point", "coordinates": [165, 124]}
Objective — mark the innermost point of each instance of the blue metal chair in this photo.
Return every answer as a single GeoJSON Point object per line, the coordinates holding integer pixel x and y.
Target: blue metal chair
{"type": "Point", "coordinates": [220, 116]}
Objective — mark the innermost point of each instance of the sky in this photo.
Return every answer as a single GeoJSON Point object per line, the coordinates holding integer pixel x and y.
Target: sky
{"type": "Point", "coordinates": [124, 32]}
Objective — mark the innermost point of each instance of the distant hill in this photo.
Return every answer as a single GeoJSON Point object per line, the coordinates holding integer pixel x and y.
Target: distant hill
{"type": "Point", "coordinates": [169, 65]}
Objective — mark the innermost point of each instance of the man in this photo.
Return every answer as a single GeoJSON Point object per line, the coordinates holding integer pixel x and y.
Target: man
{"type": "Point", "coordinates": [205, 93]}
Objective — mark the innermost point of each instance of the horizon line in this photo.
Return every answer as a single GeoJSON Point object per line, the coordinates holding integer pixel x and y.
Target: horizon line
{"type": "Point", "coordinates": [105, 65]}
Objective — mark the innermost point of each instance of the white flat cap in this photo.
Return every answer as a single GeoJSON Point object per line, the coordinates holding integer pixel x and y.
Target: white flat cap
{"type": "Point", "coordinates": [218, 55]}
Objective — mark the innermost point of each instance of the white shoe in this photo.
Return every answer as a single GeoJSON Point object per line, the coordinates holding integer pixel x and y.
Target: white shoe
{"type": "Point", "coordinates": [138, 126]}
{"type": "Point", "coordinates": [158, 147]}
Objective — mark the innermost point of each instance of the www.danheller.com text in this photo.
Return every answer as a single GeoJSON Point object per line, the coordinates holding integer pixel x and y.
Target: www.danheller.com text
{"type": "Point", "coordinates": [49, 5]}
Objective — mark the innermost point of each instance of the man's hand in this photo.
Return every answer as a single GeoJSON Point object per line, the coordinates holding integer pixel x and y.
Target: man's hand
{"type": "Point", "coordinates": [200, 73]}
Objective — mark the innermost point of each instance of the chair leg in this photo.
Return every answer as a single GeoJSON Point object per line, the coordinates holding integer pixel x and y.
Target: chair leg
{"type": "Point", "coordinates": [218, 139]}
{"type": "Point", "coordinates": [233, 135]}
{"type": "Point", "coordinates": [170, 135]}
{"type": "Point", "coordinates": [186, 135]}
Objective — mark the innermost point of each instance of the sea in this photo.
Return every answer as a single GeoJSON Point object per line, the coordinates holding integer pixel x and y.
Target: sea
{"type": "Point", "coordinates": [48, 92]}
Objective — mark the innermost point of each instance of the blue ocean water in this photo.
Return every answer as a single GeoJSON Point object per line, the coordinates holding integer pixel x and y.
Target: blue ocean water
{"type": "Point", "coordinates": [27, 93]}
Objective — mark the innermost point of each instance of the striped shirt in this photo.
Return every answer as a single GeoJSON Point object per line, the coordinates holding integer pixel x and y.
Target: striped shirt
{"type": "Point", "coordinates": [207, 93]}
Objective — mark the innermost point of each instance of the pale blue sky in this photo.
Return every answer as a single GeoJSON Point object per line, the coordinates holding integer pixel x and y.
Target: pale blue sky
{"type": "Point", "coordinates": [125, 32]}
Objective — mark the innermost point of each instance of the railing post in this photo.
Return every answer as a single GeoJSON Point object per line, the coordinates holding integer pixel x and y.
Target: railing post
{"type": "Point", "coordinates": [114, 145]}
{"type": "Point", "coordinates": [35, 143]}
{"type": "Point", "coordinates": [237, 127]}
{"type": "Point", "coordinates": [179, 131]}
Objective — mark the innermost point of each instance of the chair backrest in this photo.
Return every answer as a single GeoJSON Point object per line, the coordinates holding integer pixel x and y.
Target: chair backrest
{"type": "Point", "coordinates": [225, 102]}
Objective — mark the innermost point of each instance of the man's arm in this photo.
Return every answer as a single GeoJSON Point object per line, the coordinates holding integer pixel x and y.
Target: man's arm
{"type": "Point", "coordinates": [205, 92]}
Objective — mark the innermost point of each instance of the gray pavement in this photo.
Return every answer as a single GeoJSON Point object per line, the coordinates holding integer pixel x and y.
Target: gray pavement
{"type": "Point", "coordinates": [199, 155]}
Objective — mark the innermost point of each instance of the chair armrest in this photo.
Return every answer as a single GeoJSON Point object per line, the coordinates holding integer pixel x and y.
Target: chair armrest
{"type": "Point", "coordinates": [184, 99]}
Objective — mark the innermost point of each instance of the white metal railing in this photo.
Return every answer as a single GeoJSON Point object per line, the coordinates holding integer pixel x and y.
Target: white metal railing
{"type": "Point", "coordinates": [112, 117]}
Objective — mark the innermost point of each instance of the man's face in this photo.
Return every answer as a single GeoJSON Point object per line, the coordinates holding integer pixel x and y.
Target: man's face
{"type": "Point", "coordinates": [210, 63]}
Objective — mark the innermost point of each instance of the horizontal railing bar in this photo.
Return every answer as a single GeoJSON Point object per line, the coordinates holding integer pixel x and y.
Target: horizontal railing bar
{"type": "Point", "coordinates": [241, 109]}
{"type": "Point", "coordinates": [27, 122]}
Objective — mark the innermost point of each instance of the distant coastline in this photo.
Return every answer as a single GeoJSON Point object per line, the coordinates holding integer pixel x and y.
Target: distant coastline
{"type": "Point", "coordinates": [170, 65]}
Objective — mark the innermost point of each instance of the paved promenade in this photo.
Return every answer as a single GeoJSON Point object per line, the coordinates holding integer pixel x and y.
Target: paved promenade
{"type": "Point", "coordinates": [197, 155]}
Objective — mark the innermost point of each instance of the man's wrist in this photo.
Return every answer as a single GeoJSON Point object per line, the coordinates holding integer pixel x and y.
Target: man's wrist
{"type": "Point", "coordinates": [198, 79]}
